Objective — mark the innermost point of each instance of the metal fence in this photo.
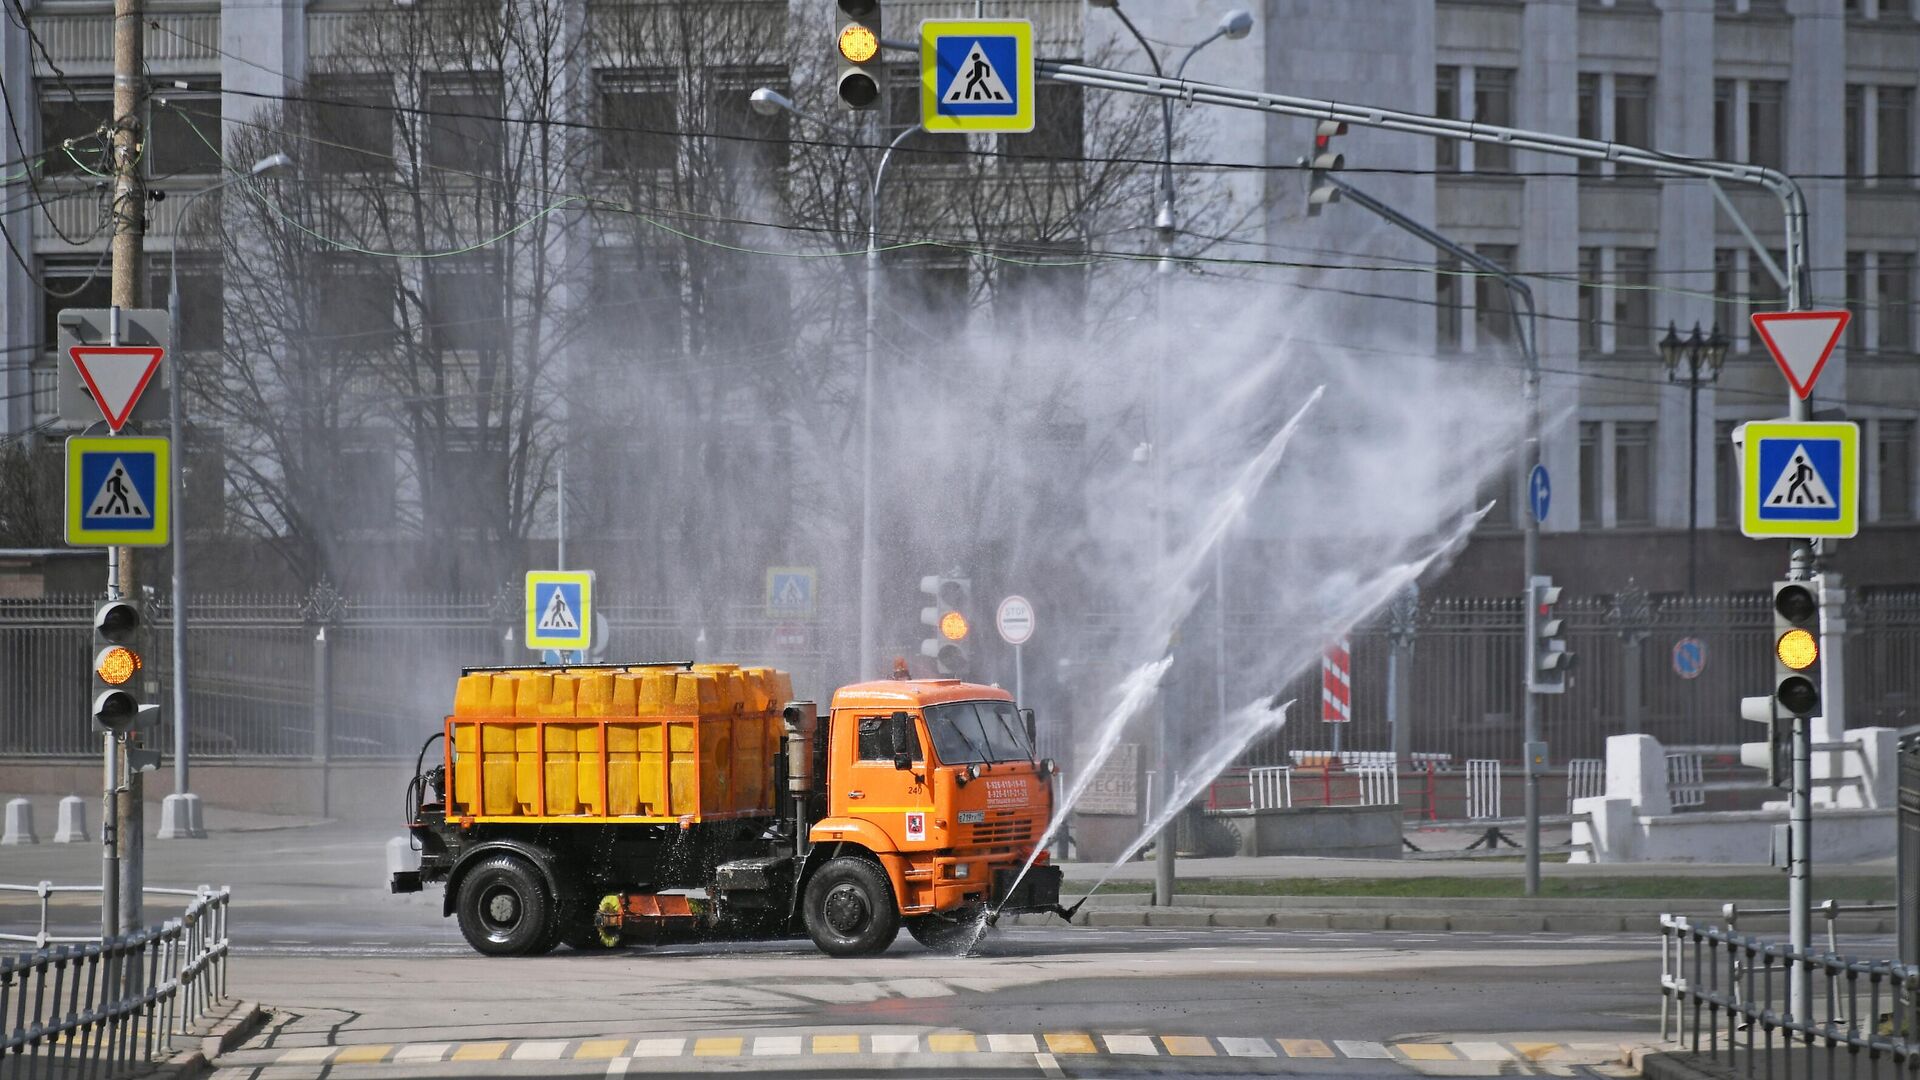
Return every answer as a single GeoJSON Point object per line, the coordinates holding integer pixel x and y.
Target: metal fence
{"type": "Point", "coordinates": [328, 676]}
{"type": "Point", "coordinates": [108, 1009]}
{"type": "Point", "coordinates": [1463, 668]}
{"type": "Point", "coordinates": [1725, 995]}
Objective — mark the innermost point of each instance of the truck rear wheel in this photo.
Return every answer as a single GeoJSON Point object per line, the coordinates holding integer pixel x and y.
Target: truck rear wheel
{"type": "Point", "coordinates": [850, 909]}
{"type": "Point", "coordinates": [504, 908]}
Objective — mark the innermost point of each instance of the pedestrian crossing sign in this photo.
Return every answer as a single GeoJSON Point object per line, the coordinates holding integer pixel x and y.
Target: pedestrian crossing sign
{"type": "Point", "coordinates": [976, 75]}
{"type": "Point", "coordinates": [790, 591]}
{"type": "Point", "coordinates": [118, 490]}
{"type": "Point", "coordinates": [559, 609]}
{"type": "Point", "coordinates": [1800, 478]}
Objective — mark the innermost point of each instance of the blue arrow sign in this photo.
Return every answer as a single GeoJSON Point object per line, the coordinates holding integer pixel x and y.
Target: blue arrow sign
{"type": "Point", "coordinates": [1539, 492]}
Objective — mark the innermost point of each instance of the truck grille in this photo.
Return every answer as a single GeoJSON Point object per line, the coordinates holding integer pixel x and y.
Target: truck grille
{"type": "Point", "coordinates": [1006, 831]}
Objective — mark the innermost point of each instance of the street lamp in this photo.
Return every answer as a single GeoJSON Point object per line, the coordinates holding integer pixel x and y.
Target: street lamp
{"type": "Point", "coordinates": [1236, 24]}
{"type": "Point", "coordinates": [180, 811]}
{"type": "Point", "coordinates": [766, 101]}
{"type": "Point", "coordinates": [1702, 358]}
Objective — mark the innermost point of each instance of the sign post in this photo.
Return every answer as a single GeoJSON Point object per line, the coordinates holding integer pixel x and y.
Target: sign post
{"type": "Point", "coordinates": [1014, 620]}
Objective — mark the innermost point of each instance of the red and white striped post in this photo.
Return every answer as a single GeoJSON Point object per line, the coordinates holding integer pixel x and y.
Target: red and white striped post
{"type": "Point", "coordinates": [1336, 687]}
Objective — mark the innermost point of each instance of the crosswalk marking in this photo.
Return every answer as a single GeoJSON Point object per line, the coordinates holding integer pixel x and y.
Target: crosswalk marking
{"type": "Point", "coordinates": [1245, 1047]}
{"type": "Point", "coordinates": [717, 1046]}
{"type": "Point", "coordinates": [1425, 1051]}
{"type": "Point", "coordinates": [896, 1044]}
{"type": "Point", "coordinates": [362, 1055]}
{"type": "Point", "coordinates": [1012, 1044]}
{"type": "Point", "coordinates": [540, 1050]}
{"type": "Point", "coordinates": [836, 1044]}
{"type": "Point", "coordinates": [1306, 1048]}
{"type": "Point", "coordinates": [485, 1051]}
{"type": "Point", "coordinates": [1131, 1044]}
{"type": "Point", "coordinates": [952, 1044]}
{"type": "Point", "coordinates": [1355, 1048]}
{"type": "Point", "coordinates": [599, 1049]}
{"type": "Point", "coordinates": [1537, 1051]}
{"type": "Point", "coordinates": [1484, 1051]}
{"type": "Point", "coordinates": [306, 1055]}
{"type": "Point", "coordinates": [422, 1052]}
{"type": "Point", "coordinates": [658, 1048]}
{"type": "Point", "coordinates": [1070, 1042]}
{"type": "Point", "coordinates": [1188, 1045]}
{"type": "Point", "coordinates": [772, 1045]}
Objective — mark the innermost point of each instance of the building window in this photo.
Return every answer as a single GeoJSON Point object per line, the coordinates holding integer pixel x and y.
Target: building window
{"type": "Point", "coordinates": [1590, 493]}
{"type": "Point", "coordinates": [357, 296]}
{"type": "Point", "coordinates": [365, 488]}
{"type": "Point", "coordinates": [1632, 474]}
{"type": "Point", "coordinates": [638, 121]}
{"type": "Point", "coordinates": [1763, 293]}
{"type": "Point", "coordinates": [1726, 475]}
{"type": "Point", "coordinates": [1590, 295]}
{"type": "Point", "coordinates": [927, 304]}
{"type": "Point", "coordinates": [1446, 298]}
{"type": "Point", "coordinates": [1446, 103]}
{"type": "Point", "coordinates": [1492, 104]}
{"type": "Point", "coordinates": [183, 127]}
{"type": "Point", "coordinates": [353, 125]}
{"type": "Point", "coordinates": [743, 139]}
{"type": "Point", "coordinates": [1856, 289]}
{"type": "Point", "coordinates": [1633, 109]}
{"type": "Point", "coordinates": [1587, 121]}
{"type": "Point", "coordinates": [464, 129]}
{"type": "Point", "coordinates": [1492, 305]}
{"type": "Point", "coordinates": [1896, 470]}
{"type": "Point", "coordinates": [1725, 142]}
{"type": "Point", "coordinates": [465, 309]}
{"type": "Point", "coordinates": [468, 487]}
{"type": "Point", "coordinates": [203, 324]}
{"type": "Point", "coordinates": [1766, 124]}
{"type": "Point", "coordinates": [1060, 112]}
{"type": "Point", "coordinates": [1632, 300]}
{"type": "Point", "coordinates": [636, 300]}
{"type": "Point", "coordinates": [1029, 297]}
{"type": "Point", "coordinates": [1726, 293]}
{"type": "Point", "coordinates": [1893, 129]}
{"type": "Point", "coordinates": [84, 283]}
{"type": "Point", "coordinates": [1854, 160]}
{"type": "Point", "coordinates": [1896, 301]}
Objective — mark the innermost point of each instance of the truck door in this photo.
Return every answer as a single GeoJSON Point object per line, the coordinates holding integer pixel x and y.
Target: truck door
{"type": "Point", "coordinates": [898, 801]}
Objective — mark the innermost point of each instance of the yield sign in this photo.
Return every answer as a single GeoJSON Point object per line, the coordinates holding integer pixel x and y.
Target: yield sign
{"type": "Point", "coordinates": [116, 375]}
{"type": "Point", "coordinates": [1800, 342]}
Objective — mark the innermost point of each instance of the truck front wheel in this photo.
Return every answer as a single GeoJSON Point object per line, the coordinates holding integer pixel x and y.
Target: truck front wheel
{"type": "Point", "coordinates": [504, 908]}
{"type": "Point", "coordinates": [850, 909]}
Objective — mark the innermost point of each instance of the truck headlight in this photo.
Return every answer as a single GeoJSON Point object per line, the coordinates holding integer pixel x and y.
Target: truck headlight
{"type": "Point", "coordinates": [962, 871]}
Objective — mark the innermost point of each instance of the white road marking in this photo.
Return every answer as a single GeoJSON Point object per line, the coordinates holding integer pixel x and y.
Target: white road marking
{"type": "Point", "coordinates": [658, 1048]}
{"type": "Point", "coordinates": [1245, 1047]}
{"type": "Point", "coordinates": [770, 1045]}
{"type": "Point", "coordinates": [1359, 1048]}
{"type": "Point", "coordinates": [618, 1067]}
{"type": "Point", "coordinates": [896, 1044]}
{"type": "Point", "coordinates": [1012, 1044]}
{"type": "Point", "coordinates": [423, 1052]}
{"type": "Point", "coordinates": [1048, 1065]}
{"type": "Point", "coordinates": [540, 1050]}
{"type": "Point", "coordinates": [1484, 1051]}
{"type": "Point", "coordinates": [1131, 1044]}
{"type": "Point", "coordinates": [306, 1055]}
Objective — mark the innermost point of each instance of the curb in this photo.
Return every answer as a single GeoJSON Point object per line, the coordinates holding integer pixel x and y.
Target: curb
{"type": "Point", "coordinates": [1425, 922]}
{"type": "Point", "coordinates": [1655, 1063]}
{"type": "Point", "coordinates": [242, 1022]}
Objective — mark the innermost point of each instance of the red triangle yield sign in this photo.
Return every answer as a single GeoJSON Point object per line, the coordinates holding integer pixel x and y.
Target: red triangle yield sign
{"type": "Point", "coordinates": [116, 376]}
{"type": "Point", "coordinates": [1800, 342]}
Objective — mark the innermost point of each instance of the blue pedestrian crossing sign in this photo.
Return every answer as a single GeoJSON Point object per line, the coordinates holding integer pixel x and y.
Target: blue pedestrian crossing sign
{"type": "Point", "coordinates": [559, 609]}
{"type": "Point", "coordinates": [1800, 478]}
{"type": "Point", "coordinates": [976, 75]}
{"type": "Point", "coordinates": [118, 490]}
{"type": "Point", "coordinates": [790, 591]}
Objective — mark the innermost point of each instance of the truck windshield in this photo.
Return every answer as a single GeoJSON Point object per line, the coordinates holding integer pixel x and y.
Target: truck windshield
{"type": "Point", "coordinates": [977, 732]}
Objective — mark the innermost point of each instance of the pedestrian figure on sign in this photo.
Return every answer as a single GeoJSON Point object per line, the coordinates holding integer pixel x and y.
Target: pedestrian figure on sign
{"type": "Point", "coordinates": [117, 503]}
{"type": "Point", "coordinates": [1801, 473]}
{"type": "Point", "coordinates": [977, 80]}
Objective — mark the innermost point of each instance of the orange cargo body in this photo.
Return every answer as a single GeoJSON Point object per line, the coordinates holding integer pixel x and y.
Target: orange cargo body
{"type": "Point", "coordinates": [661, 744]}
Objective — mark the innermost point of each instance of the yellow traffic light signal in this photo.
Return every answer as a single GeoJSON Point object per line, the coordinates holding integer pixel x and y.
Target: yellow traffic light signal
{"type": "Point", "coordinates": [862, 71]}
{"type": "Point", "coordinates": [117, 664]}
{"type": "Point", "coordinates": [1798, 649]}
{"type": "Point", "coordinates": [953, 626]}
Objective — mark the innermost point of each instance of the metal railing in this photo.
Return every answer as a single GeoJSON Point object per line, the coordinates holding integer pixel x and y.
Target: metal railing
{"type": "Point", "coordinates": [1483, 789]}
{"type": "Point", "coordinates": [1586, 779]}
{"type": "Point", "coordinates": [1379, 784]}
{"type": "Point", "coordinates": [106, 1009]}
{"type": "Point", "coordinates": [1723, 993]}
{"type": "Point", "coordinates": [1686, 775]}
{"type": "Point", "coordinates": [1270, 787]}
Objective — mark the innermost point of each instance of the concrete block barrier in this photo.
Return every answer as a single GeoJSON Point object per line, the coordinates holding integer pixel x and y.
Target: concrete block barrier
{"type": "Point", "coordinates": [73, 821]}
{"type": "Point", "coordinates": [19, 826]}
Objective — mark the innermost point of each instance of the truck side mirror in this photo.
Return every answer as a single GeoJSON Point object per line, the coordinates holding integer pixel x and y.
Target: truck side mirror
{"type": "Point", "coordinates": [1033, 733]}
{"type": "Point", "coordinates": [898, 731]}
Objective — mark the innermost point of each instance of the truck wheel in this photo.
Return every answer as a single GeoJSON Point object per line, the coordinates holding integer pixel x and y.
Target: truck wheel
{"type": "Point", "coordinates": [947, 935]}
{"type": "Point", "coordinates": [850, 909]}
{"type": "Point", "coordinates": [505, 910]}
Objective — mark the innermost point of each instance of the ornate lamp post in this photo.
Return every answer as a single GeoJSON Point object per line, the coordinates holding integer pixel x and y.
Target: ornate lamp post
{"type": "Point", "coordinates": [1693, 362]}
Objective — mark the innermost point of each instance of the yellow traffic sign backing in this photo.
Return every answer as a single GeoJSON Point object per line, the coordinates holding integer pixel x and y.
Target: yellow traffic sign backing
{"type": "Point", "coordinates": [1800, 478]}
{"type": "Point", "coordinates": [976, 75]}
{"type": "Point", "coordinates": [559, 609]}
{"type": "Point", "coordinates": [119, 491]}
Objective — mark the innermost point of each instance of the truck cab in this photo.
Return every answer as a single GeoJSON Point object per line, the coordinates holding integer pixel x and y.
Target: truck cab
{"type": "Point", "coordinates": [934, 784]}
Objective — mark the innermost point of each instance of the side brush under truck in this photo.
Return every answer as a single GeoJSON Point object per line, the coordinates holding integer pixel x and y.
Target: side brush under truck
{"type": "Point", "coordinates": [596, 805]}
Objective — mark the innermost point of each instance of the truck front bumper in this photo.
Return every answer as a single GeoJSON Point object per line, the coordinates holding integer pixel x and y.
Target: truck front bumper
{"type": "Point", "coordinates": [1039, 890]}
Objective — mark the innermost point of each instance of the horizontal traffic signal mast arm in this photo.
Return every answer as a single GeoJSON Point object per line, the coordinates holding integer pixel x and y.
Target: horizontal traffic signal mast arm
{"type": "Point", "coordinates": [1792, 202]}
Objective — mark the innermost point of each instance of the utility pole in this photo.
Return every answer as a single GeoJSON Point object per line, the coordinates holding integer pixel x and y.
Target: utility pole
{"type": "Point", "coordinates": [129, 235]}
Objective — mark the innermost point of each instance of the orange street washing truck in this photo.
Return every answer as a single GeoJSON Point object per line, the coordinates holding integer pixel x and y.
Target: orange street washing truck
{"type": "Point", "coordinates": [591, 805]}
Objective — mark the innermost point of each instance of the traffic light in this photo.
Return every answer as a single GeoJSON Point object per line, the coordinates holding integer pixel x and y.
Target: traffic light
{"type": "Point", "coordinates": [1320, 190]}
{"type": "Point", "coordinates": [119, 640]}
{"type": "Point", "coordinates": [1796, 647]}
{"type": "Point", "coordinates": [949, 646]}
{"type": "Point", "coordinates": [862, 73]}
{"type": "Point", "coordinates": [1548, 661]}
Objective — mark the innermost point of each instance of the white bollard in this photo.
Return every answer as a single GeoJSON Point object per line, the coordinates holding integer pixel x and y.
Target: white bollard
{"type": "Point", "coordinates": [180, 818]}
{"type": "Point", "coordinates": [19, 824]}
{"type": "Point", "coordinates": [73, 821]}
